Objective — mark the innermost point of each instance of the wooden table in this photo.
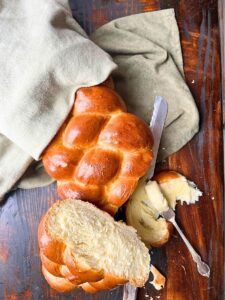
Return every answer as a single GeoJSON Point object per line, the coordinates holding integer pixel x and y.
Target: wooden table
{"type": "Point", "coordinates": [201, 160]}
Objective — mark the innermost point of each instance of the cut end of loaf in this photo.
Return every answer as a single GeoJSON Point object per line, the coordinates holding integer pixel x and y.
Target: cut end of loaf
{"type": "Point", "coordinates": [97, 242]}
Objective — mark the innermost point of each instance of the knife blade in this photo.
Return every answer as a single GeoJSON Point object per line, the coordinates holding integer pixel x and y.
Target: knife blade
{"type": "Point", "coordinates": [156, 125]}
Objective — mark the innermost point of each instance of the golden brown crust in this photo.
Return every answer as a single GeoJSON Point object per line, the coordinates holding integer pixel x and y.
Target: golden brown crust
{"type": "Point", "coordinates": [120, 191]}
{"type": "Point", "coordinates": [101, 151]}
{"type": "Point", "coordinates": [98, 167]}
{"type": "Point", "coordinates": [70, 270]}
{"type": "Point", "coordinates": [72, 189]}
{"type": "Point", "coordinates": [165, 176]}
{"type": "Point", "coordinates": [62, 161]}
{"type": "Point", "coordinates": [59, 284]}
{"type": "Point", "coordinates": [127, 132]}
{"type": "Point", "coordinates": [165, 238]}
{"type": "Point", "coordinates": [108, 282]}
{"type": "Point", "coordinates": [88, 288]}
{"type": "Point", "coordinates": [52, 267]}
{"type": "Point", "coordinates": [52, 249]}
{"type": "Point", "coordinates": [97, 99]}
{"type": "Point", "coordinates": [84, 273]}
{"type": "Point", "coordinates": [130, 168]}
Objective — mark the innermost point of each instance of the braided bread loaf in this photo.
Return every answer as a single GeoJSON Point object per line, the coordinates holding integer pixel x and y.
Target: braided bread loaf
{"type": "Point", "coordinates": [82, 246]}
{"type": "Point", "coordinates": [101, 150]}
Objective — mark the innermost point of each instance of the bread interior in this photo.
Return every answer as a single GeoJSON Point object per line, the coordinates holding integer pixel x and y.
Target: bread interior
{"type": "Point", "coordinates": [144, 218]}
{"type": "Point", "coordinates": [97, 241]}
{"type": "Point", "coordinates": [180, 189]}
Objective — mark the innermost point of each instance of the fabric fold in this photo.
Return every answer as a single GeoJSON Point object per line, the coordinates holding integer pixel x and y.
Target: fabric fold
{"type": "Point", "coordinates": [44, 59]}
{"type": "Point", "coordinates": [45, 56]}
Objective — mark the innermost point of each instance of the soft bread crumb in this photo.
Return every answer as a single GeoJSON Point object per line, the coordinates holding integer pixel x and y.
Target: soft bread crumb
{"type": "Point", "coordinates": [98, 241]}
{"type": "Point", "coordinates": [158, 279]}
{"type": "Point", "coordinates": [152, 198]}
{"type": "Point", "coordinates": [141, 214]}
{"type": "Point", "coordinates": [179, 189]}
{"type": "Point", "coordinates": [156, 197]}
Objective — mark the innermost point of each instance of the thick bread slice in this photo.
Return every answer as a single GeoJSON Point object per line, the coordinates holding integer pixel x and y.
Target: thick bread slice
{"type": "Point", "coordinates": [55, 256]}
{"type": "Point", "coordinates": [81, 244]}
{"type": "Point", "coordinates": [52, 270]}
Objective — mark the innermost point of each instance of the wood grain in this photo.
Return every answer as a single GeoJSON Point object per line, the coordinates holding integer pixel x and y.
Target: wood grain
{"type": "Point", "coordinates": [201, 161]}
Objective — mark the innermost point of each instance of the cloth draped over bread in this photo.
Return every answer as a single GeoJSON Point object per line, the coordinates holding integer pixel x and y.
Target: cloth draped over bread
{"type": "Point", "coordinates": [45, 57]}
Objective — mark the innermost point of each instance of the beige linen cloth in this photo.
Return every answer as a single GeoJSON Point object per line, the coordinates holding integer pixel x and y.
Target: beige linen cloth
{"type": "Point", "coordinates": [39, 94]}
{"type": "Point", "coordinates": [45, 57]}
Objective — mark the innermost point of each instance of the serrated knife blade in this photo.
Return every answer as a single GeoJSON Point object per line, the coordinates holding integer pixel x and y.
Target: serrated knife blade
{"type": "Point", "coordinates": [156, 125]}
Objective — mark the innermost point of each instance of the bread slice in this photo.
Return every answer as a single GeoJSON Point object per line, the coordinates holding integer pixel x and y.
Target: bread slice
{"type": "Point", "coordinates": [144, 217]}
{"type": "Point", "coordinates": [82, 245]}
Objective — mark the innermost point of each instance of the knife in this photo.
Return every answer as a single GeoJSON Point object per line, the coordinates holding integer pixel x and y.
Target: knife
{"type": "Point", "coordinates": [156, 125]}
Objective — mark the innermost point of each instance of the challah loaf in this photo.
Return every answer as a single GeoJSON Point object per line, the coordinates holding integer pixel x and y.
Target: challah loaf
{"type": "Point", "coordinates": [101, 150]}
{"type": "Point", "coordinates": [82, 246]}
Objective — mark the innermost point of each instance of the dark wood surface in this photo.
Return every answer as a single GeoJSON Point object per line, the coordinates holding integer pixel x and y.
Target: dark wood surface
{"type": "Point", "coordinates": [201, 161]}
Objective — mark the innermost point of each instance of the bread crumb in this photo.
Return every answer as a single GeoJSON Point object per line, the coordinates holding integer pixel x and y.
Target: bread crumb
{"type": "Point", "coordinates": [183, 267]}
{"type": "Point", "coordinates": [193, 81]}
{"type": "Point", "coordinates": [213, 198]}
{"type": "Point", "coordinates": [158, 279]}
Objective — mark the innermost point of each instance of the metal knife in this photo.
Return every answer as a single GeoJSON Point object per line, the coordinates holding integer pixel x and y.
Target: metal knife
{"type": "Point", "coordinates": [156, 125]}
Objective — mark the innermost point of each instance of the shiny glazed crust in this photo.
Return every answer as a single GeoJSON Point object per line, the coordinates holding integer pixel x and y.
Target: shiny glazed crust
{"type": "Point", "coordinates": [101, 150]}
{"type": "Point", "coordinates": [165, 176]}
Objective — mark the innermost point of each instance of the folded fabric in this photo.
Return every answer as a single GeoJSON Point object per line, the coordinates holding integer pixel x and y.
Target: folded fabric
{"type": "Point", "coordinates": [45, 57]}
{"type": "Point", "coordinates": [13, 163]}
